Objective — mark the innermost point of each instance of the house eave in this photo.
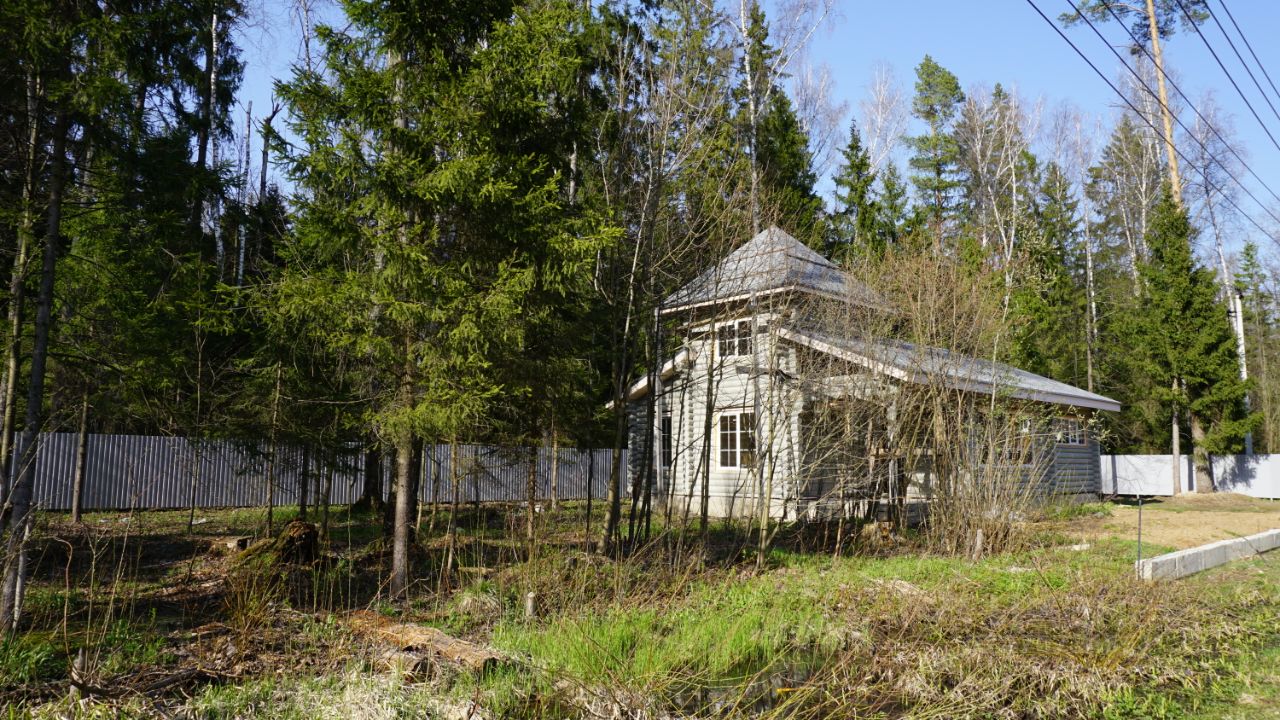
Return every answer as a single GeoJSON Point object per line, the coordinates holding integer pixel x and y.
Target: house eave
{"type": "Point", "coordinates": [974, 385]}
{"type": "Point", "coordinates": [641, 387]}
{"type": "Point", "coordinates": [672, 309]}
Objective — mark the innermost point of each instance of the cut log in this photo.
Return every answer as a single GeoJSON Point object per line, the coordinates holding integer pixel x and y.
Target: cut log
{"type": "Point", "coordinates": [420, 638]}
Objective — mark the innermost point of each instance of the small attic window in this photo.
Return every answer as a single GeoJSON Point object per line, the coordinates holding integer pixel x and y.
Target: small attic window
{"type": "Point", "coordinates": [735, 338]}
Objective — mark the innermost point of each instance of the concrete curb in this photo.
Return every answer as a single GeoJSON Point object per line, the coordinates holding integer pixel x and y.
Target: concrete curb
{"type": "Point", "coordinates": [1193, 560]}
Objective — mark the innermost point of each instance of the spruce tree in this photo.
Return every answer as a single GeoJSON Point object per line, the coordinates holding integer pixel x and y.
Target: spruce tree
{"type": "Point", "coordinates": [895, 217]}
{"type": "Point", "coordinates": [1047, 306]}
{"type": "Point", "coordinates": [1259, 318]}
{"type": "Point", "coordinates": [435, 241]}
{"type": "Point", "coordinates": [853, 225]}
{"type": "Point", "coordinates": [776, 143]}
{"type": "Point", "coordinates": [1183, 340]}
{"type": "Point", "coordinates": [786, 171]}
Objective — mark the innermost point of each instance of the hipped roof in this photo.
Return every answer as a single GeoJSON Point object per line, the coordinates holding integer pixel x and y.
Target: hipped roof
{"type": "Point", "coordinates": [768, 263]}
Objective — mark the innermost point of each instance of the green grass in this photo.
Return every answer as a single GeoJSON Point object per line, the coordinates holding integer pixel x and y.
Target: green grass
{"type": "Point", "coordinates": [1257, 694]}
{"type": "Point", "coordinates": [723, 631]}
{"type": "Point", "coordinates": [130, 644]}
{"type": "Point", "coordinates": [355, 693]}
{"type": "Point", "coordinates": [1046, 632]}
{"type": "Point", "coordinates": [1073, 510]}
{"type": "Point", "coordinates": [30, 658]}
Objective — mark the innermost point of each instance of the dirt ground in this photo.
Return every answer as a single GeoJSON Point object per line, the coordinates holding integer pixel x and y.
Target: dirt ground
{"type": "Point", "coordinates": [1190, 520]}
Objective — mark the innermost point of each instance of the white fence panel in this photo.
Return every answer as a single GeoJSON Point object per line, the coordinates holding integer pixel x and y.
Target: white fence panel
{"type": "Point", "coordinates": [1253, 475]}
{"type": "Point", "coordinates": [1143, 474]}
{"type": "Point", "coordinates": [1257, 475]}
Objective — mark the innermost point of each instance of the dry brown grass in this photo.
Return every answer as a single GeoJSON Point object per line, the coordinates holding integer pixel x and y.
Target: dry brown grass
{"type": "Point", "coordinates": [1188, 520]}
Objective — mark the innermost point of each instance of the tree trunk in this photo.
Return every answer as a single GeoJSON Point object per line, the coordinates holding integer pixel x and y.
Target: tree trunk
{"type": "Point", "coordinates": [1238, 304]}
{"type": "Point", "coordinates": [591, 482]}
{"type": "Point", "coordinates": [531, 497]}
{"type": "Point", "coordinates": [196, 444]}
{"type": "Point", "coordinates": [304, 479]}
{"type": "Point", "coordinates": [415, 489]}
{"type": "Point", "coordinates": [19, 507]}
{"type": "Point", "coordinates": [204, 128]}
{"type": "Point", "coordinates": [325, 495]}
{"type": "Point", "coordinates": [406, 498]}
{"type": "Point", "coordinates": [704, 510]}
{"type": "Point", "coordinates": [371, 493]}
{"type": "Point", "coordinates": [1176, 445]}
{"type": "Point", "coordinates": [614, 497]}
{"type": "Point", "coordinates": [274, 450]}
{"type": "Point", "coordinates": [455, 483]}
{"type": "Point", "coordinates": [17, 290]}
{"type": "Point", "coordinates": [555, 466]}
{"type": "Point", "coordinates": [1171, 154]}
{"type": "Point", "coordinates": [82, 453]}
{"type": "Point", "coordinates": [1200, 457]}
{"type": "Point", "coordinates": [435, 490]}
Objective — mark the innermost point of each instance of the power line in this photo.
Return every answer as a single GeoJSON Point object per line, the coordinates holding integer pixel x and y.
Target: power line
{"type": "Point", "coordinates": [1143, 83]}
{"type": "Point", "coordinates": [1227, 72]}
{"type": "Point", "coordinates": [1138, 112]}
{"type": "Point", "coordinates": [1178, 120]}
{"type": "Point", "coordinates": [1240, 57]}
{"type": "Point", "coordinates": [1248, 45]}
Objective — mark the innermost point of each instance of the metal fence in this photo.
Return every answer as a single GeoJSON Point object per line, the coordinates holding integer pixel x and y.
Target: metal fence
{"type": "Point", "coordinates": [151, 472]}
{"type": "Point", "coordinates": [1253, 475]}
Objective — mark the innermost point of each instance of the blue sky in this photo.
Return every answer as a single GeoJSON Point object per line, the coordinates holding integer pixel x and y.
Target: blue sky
{"type": "Point", "coordinates": [982, 42]}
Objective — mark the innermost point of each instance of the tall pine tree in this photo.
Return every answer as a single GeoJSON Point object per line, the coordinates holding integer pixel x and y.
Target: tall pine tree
{"type": "Point", "coordinates": [937, 100]}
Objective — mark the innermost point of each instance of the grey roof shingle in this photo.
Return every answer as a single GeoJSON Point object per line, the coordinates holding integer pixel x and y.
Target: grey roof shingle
{"type": "Point", "coordinates": [772, 261]}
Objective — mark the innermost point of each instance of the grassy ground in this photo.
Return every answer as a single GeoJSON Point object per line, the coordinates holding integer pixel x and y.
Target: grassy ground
{"type": "Point", "coordinates": [175, 623]}
{"type": "Point", "coordinates": [1166, 521]}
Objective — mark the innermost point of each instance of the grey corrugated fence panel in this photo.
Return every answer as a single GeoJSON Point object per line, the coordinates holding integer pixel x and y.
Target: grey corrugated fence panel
{"type": "Point", "coordinates": [495, 474]}
{"type": "Point", "coordinates": [1257, 475]}
{"type": "Point", "coordinates": [132, 471]}
{"type": "Point", "coordinates": [153, 472]}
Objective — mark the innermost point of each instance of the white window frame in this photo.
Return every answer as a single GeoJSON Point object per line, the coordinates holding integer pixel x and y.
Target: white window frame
{"type": "Point", "coordinates": [735, 338]}
{"type": "Point", "coordinates": [1071, 431]}
{"type": "Point", "coordinates": [738, 427]}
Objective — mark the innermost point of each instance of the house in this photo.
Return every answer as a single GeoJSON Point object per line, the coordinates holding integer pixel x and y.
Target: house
{"type": "Point", "coordinates": [761, 398]}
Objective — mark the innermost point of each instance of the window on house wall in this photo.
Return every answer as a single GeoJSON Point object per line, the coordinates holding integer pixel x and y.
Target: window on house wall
{"type": "Point", "coordinates": [737, 439]}
{"type": "Point", "coordinates": [1071, 431]}
{"type": "Point", "coordinates": [735, 338]}
{"type": "Point", "coordinates": [666, 439]}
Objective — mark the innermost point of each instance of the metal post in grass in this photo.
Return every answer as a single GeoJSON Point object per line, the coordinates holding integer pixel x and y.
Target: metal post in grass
{"type": "Point", "coordinates": [1138, 566]}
